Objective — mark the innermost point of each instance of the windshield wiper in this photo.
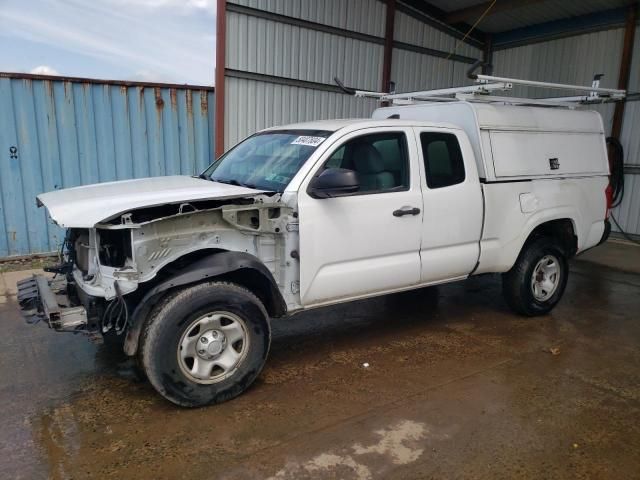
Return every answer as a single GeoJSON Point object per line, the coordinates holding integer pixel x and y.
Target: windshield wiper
{"type": "Point", "coordinates": [227, 182]}
{"type": "Point", "coordinates": [236, 183]}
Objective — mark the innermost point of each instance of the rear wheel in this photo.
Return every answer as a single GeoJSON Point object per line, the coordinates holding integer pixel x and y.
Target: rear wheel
{"type": "Point", "coordinates": [536, 282]}
{"type": "Point", "coordinates": [205, 344]}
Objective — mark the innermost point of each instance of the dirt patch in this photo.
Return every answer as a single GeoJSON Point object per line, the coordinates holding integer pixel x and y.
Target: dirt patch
{"type": "Point", "coordinates": [27, 263]}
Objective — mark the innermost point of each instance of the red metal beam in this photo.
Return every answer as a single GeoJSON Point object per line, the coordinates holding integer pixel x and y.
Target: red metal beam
{"type": "Point", "coordinates": [625, 67]}
{"type": "Point", "coordinates": [221, 40]}
{"type": "Point", "coordinates": [388, 45]}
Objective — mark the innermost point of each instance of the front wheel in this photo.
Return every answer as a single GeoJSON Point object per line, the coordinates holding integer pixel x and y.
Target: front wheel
{"type": "Point", "coordinates": [205, 344]}
{"type": "Point", "coordinates": [536, 282]}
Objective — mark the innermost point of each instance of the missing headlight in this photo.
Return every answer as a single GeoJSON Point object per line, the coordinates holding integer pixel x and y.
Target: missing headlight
{"type": "Point", "coordinates": [114, 247]}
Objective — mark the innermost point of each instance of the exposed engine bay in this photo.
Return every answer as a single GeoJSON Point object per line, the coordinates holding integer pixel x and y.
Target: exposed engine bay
{"type": "Point", "coordinates": [106, 270]}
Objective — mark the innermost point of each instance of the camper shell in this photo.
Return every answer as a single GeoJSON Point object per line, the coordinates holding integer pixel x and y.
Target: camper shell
{"type": "Point", "coordinates": [516, 142]}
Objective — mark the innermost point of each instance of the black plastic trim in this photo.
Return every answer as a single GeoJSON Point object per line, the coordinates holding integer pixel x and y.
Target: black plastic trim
{"type": "Point", "coordinates": [484, 181]}
{"type": "Point", "coordinates": [207, 268]}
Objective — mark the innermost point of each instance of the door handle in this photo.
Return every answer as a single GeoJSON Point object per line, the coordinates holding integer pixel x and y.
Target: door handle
{"type": "Point", "coordinates": [406, 211]}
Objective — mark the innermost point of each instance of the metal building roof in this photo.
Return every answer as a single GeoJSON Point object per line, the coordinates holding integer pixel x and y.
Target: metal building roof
{"type": "Point", "coordinates": [506, 15]}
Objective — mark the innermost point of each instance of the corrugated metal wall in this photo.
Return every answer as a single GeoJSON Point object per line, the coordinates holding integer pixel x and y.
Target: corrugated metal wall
{"type": "Point", "coordinates": [628, 213]}
{"type": "Point", "coordinates": [413, 70]}
{"type": "Point", "coordinates": [575, 60]}
{"type": "Point", "coordinates": [280, 71]}
{"type": "Point", "coordinates": [257, 104]}
{"type": "Point", "coordinates": [62, 133]}
{"type": "Point", "coordinates": [363, 16]}
{"type": "Point", "coordinates": [266, 47]}
{"type": "Point", "coordinates": [568, 60]}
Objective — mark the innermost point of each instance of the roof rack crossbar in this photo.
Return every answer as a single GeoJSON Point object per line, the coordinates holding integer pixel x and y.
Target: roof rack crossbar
{"type": "Point", "coordinates": [561, 86]}
{"type": "Point", "coordinates": [478, 88]}
{"type": "Point", "coordinates": [515, 100]}
{"type": "Point", "coordinates": [485, 84]}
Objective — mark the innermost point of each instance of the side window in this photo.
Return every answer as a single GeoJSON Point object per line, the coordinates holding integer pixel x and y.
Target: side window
{"type": "Point", "coordinates": [336, 158]}
{"type": "Point", "coordinates": [380, 160]}
{"type": "Point", "coordinates": [443, 161]}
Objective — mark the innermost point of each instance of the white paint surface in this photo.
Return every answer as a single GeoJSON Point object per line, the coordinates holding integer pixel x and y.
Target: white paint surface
{"type": "Point", "coordinates": [83, 207]}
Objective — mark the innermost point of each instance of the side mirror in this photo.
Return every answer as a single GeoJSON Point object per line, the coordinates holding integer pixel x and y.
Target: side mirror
{"type": "Point", "coordinates": [334, 182]}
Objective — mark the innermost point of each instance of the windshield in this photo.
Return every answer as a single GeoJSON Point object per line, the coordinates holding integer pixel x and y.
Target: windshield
{"type": "Point", "coordinates": [268, 160]}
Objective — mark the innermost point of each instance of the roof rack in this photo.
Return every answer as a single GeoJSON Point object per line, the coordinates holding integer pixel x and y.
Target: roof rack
{"type": "Point", "coordinates": [486, 84]}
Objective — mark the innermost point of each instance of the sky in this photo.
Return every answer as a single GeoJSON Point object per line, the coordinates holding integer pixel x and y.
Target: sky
{"type": "Point", "coordinates": [170, 41]}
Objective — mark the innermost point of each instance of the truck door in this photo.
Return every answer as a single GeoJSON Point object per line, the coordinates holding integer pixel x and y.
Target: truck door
{"type": "Point", "coordinates": [365, 242]}
{"type": "Point", "coordinates": [452, 205]}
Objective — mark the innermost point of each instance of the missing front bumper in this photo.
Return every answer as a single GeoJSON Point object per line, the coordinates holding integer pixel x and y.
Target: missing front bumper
{"type": "Point", "coordinates": [43, 299]}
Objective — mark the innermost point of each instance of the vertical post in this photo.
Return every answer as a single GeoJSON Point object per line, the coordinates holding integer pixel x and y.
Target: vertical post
{"type": "Point", "coordinates": [221, 39]}
{"type": "Point", "coordinates": [487, 55]}
{"type": "Point", "coordinates": [388, 45]}
{"type": "Point", "coordinates": [625, 67]}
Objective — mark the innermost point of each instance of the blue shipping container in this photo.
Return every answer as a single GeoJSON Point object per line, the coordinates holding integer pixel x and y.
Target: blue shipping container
{"type": "Point", "coordinates": [62, 132]}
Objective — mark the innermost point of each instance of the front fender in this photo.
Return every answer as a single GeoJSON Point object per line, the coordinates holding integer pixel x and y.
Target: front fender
{"type": "Point", "coordinates": [209, 267]}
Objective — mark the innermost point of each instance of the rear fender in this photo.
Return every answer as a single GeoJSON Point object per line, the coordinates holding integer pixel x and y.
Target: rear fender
{"type": "Point", "coordinates": [499, 254]}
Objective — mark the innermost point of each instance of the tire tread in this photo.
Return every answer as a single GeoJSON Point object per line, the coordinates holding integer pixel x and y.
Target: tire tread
{"type": "Point", "coordinates": [515, 282]}
{"type": "Point", "coordinates": [149, 336]}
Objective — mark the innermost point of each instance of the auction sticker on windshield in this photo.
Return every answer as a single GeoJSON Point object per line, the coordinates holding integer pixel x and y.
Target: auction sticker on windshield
{"type": "Point", "coordinates": [308, 141]}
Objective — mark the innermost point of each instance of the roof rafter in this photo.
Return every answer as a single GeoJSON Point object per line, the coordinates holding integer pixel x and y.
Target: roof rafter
{"type": "Point", "coordinates": [473, 12]}
{"type": "Point", "coordinates": [426, 8]}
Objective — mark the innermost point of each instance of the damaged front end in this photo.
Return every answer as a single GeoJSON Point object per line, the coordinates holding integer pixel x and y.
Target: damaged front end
{"type": "Point", "coordinates": [85, 293]}
{"type": "Point", "coordinates": [47, 300]}
{"type": "Point", "coordinates": [107, 269]}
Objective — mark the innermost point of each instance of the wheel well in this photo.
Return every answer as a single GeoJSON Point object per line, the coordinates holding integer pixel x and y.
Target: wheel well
{"type": "Point", "coordinates": [561, 230]}
{"type": "Point", "coordinates": [169, 270]}
{"type": "Point", "coordinates": [254, 280]}
{"type": "Point", "coordinates": [187, 259]}
{"type": "Point", "coordinates": [259, 285]}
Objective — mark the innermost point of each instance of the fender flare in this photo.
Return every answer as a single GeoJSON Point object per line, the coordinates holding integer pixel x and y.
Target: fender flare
{"type": "Point", "coordinates": [500, 257]}
{"type": "Point", "coordinates": [208, 267]}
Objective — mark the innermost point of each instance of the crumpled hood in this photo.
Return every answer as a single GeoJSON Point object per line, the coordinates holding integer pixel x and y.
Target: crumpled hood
{"type": "Point", "coordinates": [84, 207]}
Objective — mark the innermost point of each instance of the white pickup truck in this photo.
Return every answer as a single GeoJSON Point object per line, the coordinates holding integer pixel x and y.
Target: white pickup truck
{"type": "Point", "coordinates": [191, 270]}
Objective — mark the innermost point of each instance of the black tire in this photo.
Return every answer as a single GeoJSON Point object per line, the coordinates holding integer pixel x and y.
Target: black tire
{"type": "Point", "coordinates": [516, 283]}
{"type": "Point", "coordinates": [168, 321]}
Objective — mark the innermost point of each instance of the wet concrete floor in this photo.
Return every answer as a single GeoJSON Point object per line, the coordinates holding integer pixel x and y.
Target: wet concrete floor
{"type": "Point", "coordinates": [456, 387]}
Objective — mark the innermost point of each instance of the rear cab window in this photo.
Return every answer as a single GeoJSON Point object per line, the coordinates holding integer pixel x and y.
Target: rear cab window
{"type": "Point", "coordinates": [443, 162]}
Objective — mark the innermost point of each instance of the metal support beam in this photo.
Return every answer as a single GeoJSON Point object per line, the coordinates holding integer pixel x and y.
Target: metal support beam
{"type": "Point", "coordinates": [473, 12]}
{"type": "Point", "coordinates": [388, 45]}
{"type": "Point", "coordinates": [625, 67]}
{"type": "Point", "coordinates": [221, 40]}
{"type": "Point", "coordinates": [487, 55]}
{"type": "Point", "coordinates": [299, 22]}
{"type": "Point", "coordinates": [555, 29]}
{"type": "Point", "coordinates": [290, 82]}
{"type": "Point", "coordinates": [433, 16]}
